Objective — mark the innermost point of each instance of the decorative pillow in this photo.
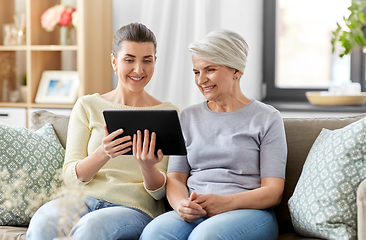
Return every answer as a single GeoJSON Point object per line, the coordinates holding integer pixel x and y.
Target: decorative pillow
{"type": "Point", "coordinates": [28, 163]}
{"type": "Point", "coordinates": [323, 204]}
{"type": "Point", "coordinates": [59, 122]}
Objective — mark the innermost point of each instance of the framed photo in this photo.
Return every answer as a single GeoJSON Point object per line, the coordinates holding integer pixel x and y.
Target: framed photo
{"type": "Point", "coordinates": [58, 87]}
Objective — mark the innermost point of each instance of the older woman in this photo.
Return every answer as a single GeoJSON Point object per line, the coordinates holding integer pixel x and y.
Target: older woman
{"type": "Point", "coordinates": [233, 174]}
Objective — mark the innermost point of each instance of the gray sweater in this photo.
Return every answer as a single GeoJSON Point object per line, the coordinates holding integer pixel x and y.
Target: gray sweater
{"type": "Point", "coordinates": [230, 152]}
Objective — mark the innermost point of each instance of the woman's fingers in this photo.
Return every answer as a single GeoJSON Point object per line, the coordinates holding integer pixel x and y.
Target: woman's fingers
{"type": "Point", "coordinates": [144, 147]}
{"type": "Point", "coordinates": [152, 143]}
{"type": "Point", "coordinates": [134, 143]}
{"type": "Point", "coordinates": [190, 211]}
{"type": "Point", "coordinates": [116, 146]}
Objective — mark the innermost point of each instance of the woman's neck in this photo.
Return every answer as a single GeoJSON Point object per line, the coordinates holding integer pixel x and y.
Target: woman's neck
{"type": "Point", "coordinates": [132, 99]}
{"type": "Point", "coordinates": [228, 104]}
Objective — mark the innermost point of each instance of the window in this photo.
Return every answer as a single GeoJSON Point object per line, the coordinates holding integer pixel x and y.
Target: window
{"type": "Point", "coordinates": [297, 48]}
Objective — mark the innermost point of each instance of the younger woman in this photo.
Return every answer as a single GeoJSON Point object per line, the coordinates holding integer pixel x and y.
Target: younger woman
{"type": "Point", "coordinates": [123, 191]}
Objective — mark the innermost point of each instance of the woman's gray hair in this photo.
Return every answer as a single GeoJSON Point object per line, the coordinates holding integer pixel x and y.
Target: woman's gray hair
{"type": "Point", "coordinates": [222, 47]}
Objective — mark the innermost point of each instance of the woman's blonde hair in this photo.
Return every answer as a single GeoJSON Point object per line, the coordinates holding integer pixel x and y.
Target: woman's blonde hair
{"type": "Point", "coordinates": [222, 47]}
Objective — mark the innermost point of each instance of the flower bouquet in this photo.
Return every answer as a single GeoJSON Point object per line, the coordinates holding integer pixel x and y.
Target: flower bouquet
{"type": "Point", "coordinates": [60, 15]}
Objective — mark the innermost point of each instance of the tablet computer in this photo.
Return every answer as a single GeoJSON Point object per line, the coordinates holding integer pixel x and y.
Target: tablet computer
{"type": "Point", "coordinates": [165, 123]}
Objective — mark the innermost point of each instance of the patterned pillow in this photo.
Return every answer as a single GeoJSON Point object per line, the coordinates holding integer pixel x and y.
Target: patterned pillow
{"type": "Point", "coordinates": [28, 163]}
{"type": "Point", "coordinates": [323, 204]}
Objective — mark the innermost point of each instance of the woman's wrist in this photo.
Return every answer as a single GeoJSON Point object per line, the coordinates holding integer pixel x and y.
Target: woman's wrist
{"type": "Point", "coordinates": [153, 178]}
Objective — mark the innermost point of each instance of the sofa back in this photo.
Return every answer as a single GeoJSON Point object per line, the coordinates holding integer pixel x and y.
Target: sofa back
{"type": "Point", "coordinates": [300, 136]}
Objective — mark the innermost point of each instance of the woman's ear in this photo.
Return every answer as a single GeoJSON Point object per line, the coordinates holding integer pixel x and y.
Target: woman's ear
{"type": "Point", "coordinates": [237, 74]}
{"type": "Point", "coordinates": [113, 62]}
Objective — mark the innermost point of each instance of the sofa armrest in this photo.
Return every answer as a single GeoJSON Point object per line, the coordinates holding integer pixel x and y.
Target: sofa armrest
{"type": "Point", "coordinates": [361, 210]}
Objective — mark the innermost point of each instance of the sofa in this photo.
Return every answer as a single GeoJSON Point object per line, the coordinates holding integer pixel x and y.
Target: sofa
{"type": "Point", "coordinates": [300, 133]}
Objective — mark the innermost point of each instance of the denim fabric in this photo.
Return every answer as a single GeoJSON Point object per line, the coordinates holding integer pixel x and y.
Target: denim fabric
{"type": "Point", "coordinates": [249, 224]}
{"type": "Point", "coordinates": [102, 220]}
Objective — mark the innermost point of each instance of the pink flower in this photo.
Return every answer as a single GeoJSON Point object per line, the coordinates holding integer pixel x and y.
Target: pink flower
{"type": "Point", "coordinates": [57, 15]}
{"type": "Point", "coordinates": [66, 18]}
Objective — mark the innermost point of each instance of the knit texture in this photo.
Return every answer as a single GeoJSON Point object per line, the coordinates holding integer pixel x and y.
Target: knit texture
{"type": "Point", "coordinates": [119, 181]}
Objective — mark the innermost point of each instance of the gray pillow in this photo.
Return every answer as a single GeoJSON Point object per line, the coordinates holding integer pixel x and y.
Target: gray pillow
{"type": "Point", "coordinates": [59, 122]}
{"type": "Point", "coordinates": [29, 162]}
{"type": "Point", "coordinates": [323, 204]}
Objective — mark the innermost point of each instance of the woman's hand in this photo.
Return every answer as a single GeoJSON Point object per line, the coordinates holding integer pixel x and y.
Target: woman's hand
{"type": "Point", "coordinates": [189, 210]}
{"type": "Point", "coordinates": [144, 151]}
{"type": "Point", "coordinates": [213, 204]}
{"type": "Point", "coordinates": [109, 148]}
{"type": "Point", "coordinates": [115, 147]}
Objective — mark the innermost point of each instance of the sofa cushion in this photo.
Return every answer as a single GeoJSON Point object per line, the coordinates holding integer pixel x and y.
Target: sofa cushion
{"type": "Point", "coordinates": [12, 233]}
{"type": "Point", "coordinates": [28, 163]}
{"type": "Point", "coordinates": [59, 123]}
{"type": "Point", "coordinates": [324, 201]}
{"type": "Point", "coordinates": [300, 136]}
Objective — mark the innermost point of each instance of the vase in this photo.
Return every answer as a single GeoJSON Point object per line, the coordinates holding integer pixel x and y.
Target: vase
{"type": "Point", "coordinates": [65, 36]}
{"type": "Point", "coordinates": [23, 93]}
{"type": "Point", "coordinates": [5, 95]}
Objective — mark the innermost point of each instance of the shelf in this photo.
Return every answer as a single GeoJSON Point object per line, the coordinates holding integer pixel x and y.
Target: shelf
{"type": "Point", "coordinates": [53, 105]}
{"type": "Point", "coordinates": [39, 48]}
{"type": "Point", "coordinates": [308, 107]}
{"type": "Point", "coordinates": [34, 105]}
{"type": "Point", "coordinates": [90, 55]}
{"type": "Point", "coordinates": [53, 48]}
{"type": "Point", "coordinates": [16, 105]}
{"type": "Point", "coordinates": [13, 48]}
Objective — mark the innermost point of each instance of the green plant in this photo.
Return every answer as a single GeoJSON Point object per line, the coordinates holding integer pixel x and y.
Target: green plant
{"type": "Point", "coordinates": [24, 79]}
{"type": "Point", "coordinates": [354, 37]}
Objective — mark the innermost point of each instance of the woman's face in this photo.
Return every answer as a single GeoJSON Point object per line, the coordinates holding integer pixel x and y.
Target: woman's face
{"type": "Point", "coordinates": [216, 82]}
{"type": "Point", "coordinates": [135, 64]}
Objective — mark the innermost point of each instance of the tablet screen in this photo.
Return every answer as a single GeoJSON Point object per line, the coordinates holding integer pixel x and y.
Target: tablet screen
{"type": "Point", "coordinates": [165, 123]}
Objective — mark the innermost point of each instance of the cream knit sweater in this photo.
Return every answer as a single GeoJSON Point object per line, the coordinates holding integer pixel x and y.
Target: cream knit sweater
{"type": "Point", "coordinates": [119, 181]}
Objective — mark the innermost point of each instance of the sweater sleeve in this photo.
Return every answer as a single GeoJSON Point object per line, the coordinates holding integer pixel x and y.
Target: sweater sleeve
{"type": "Point", "coordinates": [77, 143]}
{"type": "Point", "coordinates": [160, 192]}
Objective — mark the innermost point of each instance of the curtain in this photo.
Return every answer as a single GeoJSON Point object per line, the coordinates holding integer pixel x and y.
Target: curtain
{"type": "Point", "coordinates": [176, 24]}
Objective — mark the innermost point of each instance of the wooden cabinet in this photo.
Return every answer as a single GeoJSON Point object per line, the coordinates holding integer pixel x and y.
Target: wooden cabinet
{"type": "Point", "coordinates": [90, 54]}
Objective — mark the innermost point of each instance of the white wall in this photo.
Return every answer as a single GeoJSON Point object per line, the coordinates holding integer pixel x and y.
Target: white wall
{"type": "Point", "coordinates": [242, 16]}
{"type": "Point", "coordinates": [246, 18]}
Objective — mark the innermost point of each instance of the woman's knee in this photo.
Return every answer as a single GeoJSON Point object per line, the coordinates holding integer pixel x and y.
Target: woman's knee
{"type": "Point", "coordinates": [111, 223]}
{"type": "Point", "coordinates": [167, 226]}
{"type": "Point", "coordinates": [238, 224]}
{"type": "Point", "coordinates": [44, 222]}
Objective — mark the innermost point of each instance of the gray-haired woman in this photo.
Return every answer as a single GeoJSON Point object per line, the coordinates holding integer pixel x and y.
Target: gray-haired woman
{"type": "Point", "coordinates": [233, 174]}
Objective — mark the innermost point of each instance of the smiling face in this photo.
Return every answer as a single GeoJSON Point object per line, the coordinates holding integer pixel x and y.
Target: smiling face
{"type": "Point", "coordinates": [134, 64]}
{"type": "Point", "coordinates": [216, 82]}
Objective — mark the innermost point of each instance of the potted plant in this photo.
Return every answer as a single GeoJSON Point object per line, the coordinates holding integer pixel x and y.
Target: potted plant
{"type": "Point", "coordinates": [353, 37]}
{"type": "Point", "coordinates": [23, 88]}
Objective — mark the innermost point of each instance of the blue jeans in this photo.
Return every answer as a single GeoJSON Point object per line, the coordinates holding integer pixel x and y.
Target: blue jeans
{"type": "Point", "coordinates": [102, 220]}
{"type": "Point", "coordinates": [234, 225]}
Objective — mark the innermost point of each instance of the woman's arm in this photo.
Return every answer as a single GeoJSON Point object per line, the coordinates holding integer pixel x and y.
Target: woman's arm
{"type": "Point", "coordinates": [109, 148]}
{"type": "Point", "coordinates": [268, 195]}
{"type": "Point", "coordinates": [178, 196]}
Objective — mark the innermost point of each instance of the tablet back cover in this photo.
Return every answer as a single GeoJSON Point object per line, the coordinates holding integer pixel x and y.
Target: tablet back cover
{"type": "Point", "coordinates": [165, 123]}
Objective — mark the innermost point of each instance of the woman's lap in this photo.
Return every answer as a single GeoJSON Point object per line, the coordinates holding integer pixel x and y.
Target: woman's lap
{"type": "Point", "coordinates": [237, 224]}
{"type": "Point", "coordinates": [102, 221]}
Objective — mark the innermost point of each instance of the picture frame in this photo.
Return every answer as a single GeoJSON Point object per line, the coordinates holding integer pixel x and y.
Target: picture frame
{"type": "Point", "coordinates": [58, 87]}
